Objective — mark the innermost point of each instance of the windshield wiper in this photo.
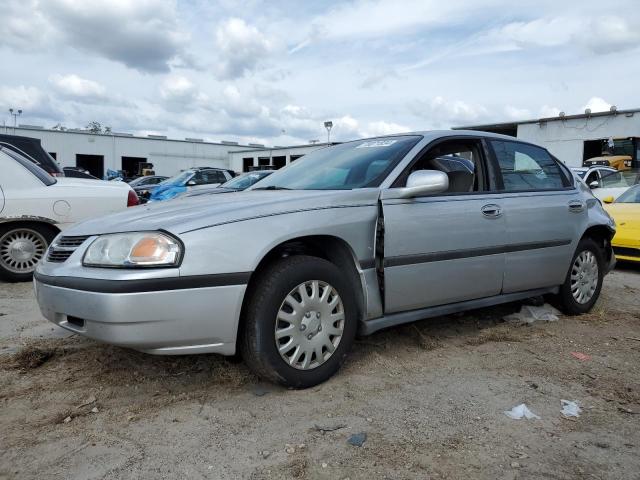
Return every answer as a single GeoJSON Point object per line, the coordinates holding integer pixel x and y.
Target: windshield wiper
{"type": "Point", "coordinates": [272, 187]}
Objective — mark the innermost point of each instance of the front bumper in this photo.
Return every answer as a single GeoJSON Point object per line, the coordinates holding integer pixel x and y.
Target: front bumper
{"type": "Point", "coordinates": [166, 322]}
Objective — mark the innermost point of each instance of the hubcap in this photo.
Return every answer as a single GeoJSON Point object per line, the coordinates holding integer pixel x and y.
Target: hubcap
{"type": "Point", "coordinates": [309, 325]}
{"type": "Point", "coordinates": [21, 250]}
{"type": "Point", "coordinates": [584, 276]}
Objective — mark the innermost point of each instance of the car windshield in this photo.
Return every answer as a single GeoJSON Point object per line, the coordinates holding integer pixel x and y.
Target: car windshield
{"type": "Point", "coordinates": [359, 164]}
{"type": "Point", "coordinates": [245, 180]}
{"type": "Point", "coordinates": [622, 179]}
{"type": "Point", "coordinates": [178, 179]}
{"type": "Point", "coordinates": [630, 196]}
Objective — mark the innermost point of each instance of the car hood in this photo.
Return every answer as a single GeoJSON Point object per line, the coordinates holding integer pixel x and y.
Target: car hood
{"type": "Point", "coordinates": [191, 213]}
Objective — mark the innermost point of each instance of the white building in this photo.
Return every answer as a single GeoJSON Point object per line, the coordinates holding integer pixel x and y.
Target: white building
{"type": "Point", "coordinates": [264, 158]}
{"type": "Point", "coordinates": [121, 151]}
{"type": "Point", "coordinates": [575, 138]}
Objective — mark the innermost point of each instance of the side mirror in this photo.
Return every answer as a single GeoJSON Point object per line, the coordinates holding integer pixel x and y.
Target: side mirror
{"type": "Point", "coordinates": [608, 199]}
{"type": "Point", "coordinates": [594, 184]}
{"type": "Point", "coordinates": [425, 182]}
{"type": "Point", "coordinates": [191, 183]}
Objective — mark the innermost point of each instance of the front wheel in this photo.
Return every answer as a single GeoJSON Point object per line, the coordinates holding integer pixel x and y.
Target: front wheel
{"type": "Point", "coordinates": [300, 322]}
{"type": "Point", "coordinates": [583, 283]}
{"type": "Point", "coordinates": [21, 248]}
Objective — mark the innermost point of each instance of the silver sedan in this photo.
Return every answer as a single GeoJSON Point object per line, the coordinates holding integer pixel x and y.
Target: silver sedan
{"type": "Point", "coordinates": [359, 236]}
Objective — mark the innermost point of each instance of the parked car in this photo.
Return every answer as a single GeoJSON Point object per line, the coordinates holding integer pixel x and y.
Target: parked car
{"type": "Point", "coordinates": [237, 184]}
{"type": "Point", "coordinates": [78, 172]}
{"type": "Point", "coordinates": [185, 180]}
{"type": "Point", "coordinates": [592, 175]}
{"type": "Point", "coordinates": [141, 182]}
{"type": "Point", "coordinates": [31, 149]}
{"type": "Point", "coordinates": [618, 162]}
{"type": "Point", "coordinates": [359, 236]}
{"type": "Point", "coordinates": [625, 210]}
{"type": "Point", "coordinates": [35, 207]}
{"type": "Point", "coordinates": [614, 184]}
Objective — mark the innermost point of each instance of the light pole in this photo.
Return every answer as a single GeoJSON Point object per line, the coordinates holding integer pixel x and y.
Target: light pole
{"type": "Point", "coordinates": [15, 116]}
{"type": "Point", "coordinates": [328, 125]}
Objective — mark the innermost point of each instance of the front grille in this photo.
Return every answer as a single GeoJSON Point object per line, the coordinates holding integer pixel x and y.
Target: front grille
{"type": "Point", "coordinates": [627, 252]}
{"type": "Point", "coordinates": [63, 247]}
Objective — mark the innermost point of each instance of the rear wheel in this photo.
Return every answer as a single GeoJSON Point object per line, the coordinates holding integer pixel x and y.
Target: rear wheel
{"type": "Point", "coordinates": [300, 322]}
{"type": "Point", "coordinates": [21, 248]}
{"type": "Point", "coordinates": [583, 283]}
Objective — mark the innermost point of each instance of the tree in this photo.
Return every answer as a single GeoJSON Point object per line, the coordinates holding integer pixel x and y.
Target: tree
{"type": "Point", "coordinates": [96, 127]}
{"type": "Point", "coordinates": [59, 126]}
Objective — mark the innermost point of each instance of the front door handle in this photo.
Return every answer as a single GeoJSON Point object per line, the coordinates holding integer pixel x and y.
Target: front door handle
{"type": "Point", "coordinates": [576, 206]}
{"type": "Point", "coordinates": [491, 210]}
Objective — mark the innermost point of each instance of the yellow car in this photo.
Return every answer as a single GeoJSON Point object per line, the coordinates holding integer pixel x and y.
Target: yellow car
{"type": "Point", "coordinates": [626, 212]}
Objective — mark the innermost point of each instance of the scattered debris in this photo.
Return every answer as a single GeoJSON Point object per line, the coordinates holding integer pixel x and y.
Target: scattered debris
{"type": "Point", "coordinates": [265, 454]}
{"type": "Point", "coordinates": [87, 401]}
{"type": "Point", "coordinates": [290, 449]}
{"type": "Point", "coordinates": [67, 419]}
{"type": "Point", "coordinates": [357, 439]}
{"type": "Point", "coordinates": [515, 465]}
{"type": "Point", "coordinates": [531, 313]}
{"type": "Point", "coordinates": [583, 357]}
{"type": "Point", "coordinates": [329, 428]}
{"type": "Point", "coordinates": [94, 410]}
{"type": "Point", "coordinates": [520, 411]}
{"type": "Point", "coordinates": [570, 409]}
{"type": "Point", "coordinates": [626, 410]}
{"type": "Point", "coordinates": [31, 357]}
{"type": "Point", "coordinates": [324, 465]}
{"type": "Point", "coordinates": [633, 338]}
{"type": "Point", "coordinates": [261, 390]}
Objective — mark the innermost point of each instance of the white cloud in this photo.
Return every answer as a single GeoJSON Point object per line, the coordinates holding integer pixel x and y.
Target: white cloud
{"type": "Point", "coordinates": [515, 113]}
{"type": "Point", "coordinates": [609, 33]}
{"type": "Point", "coordinates": [74, 86]}
{"type": "Point", "coordinates": [547, 112]}
{"type": "Point", "coordinates": [141, 34]}
{"type": "Point", "coordinates": [380, 128]}
{"type": "Point", "coordinates": [32, 101]}
{"type": "Point", "coordinates": [597, 104]}
{"type": "Point", "coordinates": [440, 112]}
{"type": "Point", "coordinates": [241, 47]}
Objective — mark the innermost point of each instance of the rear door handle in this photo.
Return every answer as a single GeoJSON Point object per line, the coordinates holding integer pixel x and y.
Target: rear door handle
{"type": "Point", "coordinates": [576, 206]}
{"type": "Point", "coordinates": [491, 210]}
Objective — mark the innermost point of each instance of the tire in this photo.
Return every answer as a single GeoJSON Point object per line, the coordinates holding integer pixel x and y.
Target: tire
{"type": "Point", "coordinates": [578, 298]}
{"type": "Point", "coordinates": [22, 246]}
{"type": "Point", "coordinates": [312, 327]}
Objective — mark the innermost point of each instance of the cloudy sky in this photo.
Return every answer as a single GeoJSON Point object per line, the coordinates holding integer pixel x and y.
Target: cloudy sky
{"type": "Point", "coordinates": [273, 71]}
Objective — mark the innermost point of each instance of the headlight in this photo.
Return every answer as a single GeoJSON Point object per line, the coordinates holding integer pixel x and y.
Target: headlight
{"type": "Point", "coordinates": [140, 249]}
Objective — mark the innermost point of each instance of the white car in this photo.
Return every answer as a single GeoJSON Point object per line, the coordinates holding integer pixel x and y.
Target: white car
{"type": "Point", "coordinates": [589, 175]}
{"type": "Point", "coordinates": [35, 207]}
{"type": "Point", "coordinates": [614, 183]}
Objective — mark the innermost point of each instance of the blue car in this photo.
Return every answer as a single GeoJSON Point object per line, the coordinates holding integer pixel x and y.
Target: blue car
{"type": "Point", "coordinates": [183, 181]}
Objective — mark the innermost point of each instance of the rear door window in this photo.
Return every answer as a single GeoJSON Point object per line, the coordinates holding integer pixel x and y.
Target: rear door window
{"type": "Point", "coordinates": [527, 167]}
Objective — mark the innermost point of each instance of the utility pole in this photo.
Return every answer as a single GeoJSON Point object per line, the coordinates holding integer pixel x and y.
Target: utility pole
{"type": "Point", "coordinates": [15, 115]}
{"type": "Point", "coordinates": [328, 125]}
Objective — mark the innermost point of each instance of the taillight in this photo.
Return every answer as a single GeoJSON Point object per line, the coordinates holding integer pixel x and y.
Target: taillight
{"type": "Point", "coordinates": [132, 199]}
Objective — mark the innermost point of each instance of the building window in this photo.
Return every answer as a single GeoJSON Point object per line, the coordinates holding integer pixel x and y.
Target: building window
{"type": "Point", "coordinates": [279, 162]}
{"type": "Point", "coordinates": [247, 164]}
{"type": "Point", "coordinates": [93, 163]}
{"type": "Point", "coordinates": [264, 161]}
{"type": "Point", "coordinates": [295, 157]}
{"type": "Point", "coordinates": [131, 165]}
{"type": "Point", "coordinates": [54, 155]}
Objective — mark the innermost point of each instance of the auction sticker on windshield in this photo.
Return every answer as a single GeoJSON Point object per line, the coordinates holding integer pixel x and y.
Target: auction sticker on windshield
{"type": "Point", "coordinates": [376, 143]}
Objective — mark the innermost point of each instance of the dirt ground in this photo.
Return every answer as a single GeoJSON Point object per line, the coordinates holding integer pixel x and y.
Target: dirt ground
{"type": "Point", "coordinates": [430, 398]}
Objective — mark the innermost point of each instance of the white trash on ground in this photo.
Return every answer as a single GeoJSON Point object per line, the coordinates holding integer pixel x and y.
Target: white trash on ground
{"type": "Point", "coordinates": [521, 411]}
{"type": "Point", "coordinates": [530, 314]}
{"type": "Point", "coordinates": [570, 409]}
